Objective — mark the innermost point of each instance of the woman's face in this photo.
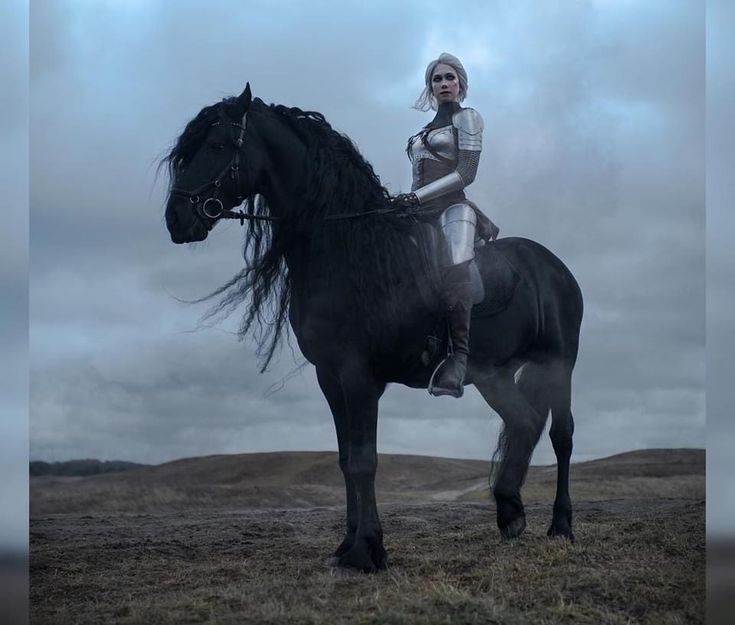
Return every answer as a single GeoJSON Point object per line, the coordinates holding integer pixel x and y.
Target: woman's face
{"type": "Point", "coordinates": [445, 83]}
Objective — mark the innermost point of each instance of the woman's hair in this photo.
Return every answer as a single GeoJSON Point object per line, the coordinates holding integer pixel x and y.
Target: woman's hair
{"type": "Point", "coordinates": [427, 100]}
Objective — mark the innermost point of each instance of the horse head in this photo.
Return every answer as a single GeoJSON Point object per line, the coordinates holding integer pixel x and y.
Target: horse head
{"type": "Point", "coordinates": [211, 171]}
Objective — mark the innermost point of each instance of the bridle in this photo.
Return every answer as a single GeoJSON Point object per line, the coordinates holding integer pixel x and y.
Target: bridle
{"type": "Point", "coordinates": [212, 209]}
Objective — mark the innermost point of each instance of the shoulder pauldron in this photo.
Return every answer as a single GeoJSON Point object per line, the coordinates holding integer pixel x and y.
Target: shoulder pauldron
{"type": "Point", "coordinates": [469, 125]}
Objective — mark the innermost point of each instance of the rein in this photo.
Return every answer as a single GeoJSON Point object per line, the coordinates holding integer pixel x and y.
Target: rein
{"type": "Point", "coordinates": [242, 216]}
{"type": "Point", "coordinates": [378, 211]}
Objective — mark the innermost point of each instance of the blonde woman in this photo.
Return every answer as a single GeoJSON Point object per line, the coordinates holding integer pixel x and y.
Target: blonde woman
{"type": "Point", "coordinates": [445, 154]}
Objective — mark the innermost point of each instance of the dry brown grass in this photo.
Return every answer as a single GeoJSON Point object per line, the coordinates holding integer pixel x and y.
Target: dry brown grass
{"type": "Point", "coordinates": [637, 559]}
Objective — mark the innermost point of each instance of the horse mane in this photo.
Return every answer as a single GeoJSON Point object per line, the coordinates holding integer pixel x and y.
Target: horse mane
{"type": "Point", "coordinates": [369, 256]}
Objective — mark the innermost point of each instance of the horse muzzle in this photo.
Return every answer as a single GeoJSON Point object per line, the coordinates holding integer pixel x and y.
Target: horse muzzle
{"type": "Point", "coordinates": [183, 224]}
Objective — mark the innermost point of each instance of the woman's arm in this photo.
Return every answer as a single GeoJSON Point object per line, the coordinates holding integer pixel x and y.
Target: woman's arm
{"type": "Point", "coordinates": [469, 127]}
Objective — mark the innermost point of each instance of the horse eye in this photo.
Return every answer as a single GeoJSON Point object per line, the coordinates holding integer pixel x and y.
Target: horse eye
{"type": "Point", "coordinates": [217, 145]}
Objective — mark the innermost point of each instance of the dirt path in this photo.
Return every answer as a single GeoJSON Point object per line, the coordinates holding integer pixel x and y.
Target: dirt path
{"type": "Point", "coordinates": [635, 561]}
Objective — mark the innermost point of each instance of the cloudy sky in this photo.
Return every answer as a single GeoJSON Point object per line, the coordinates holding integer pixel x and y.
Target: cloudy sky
{"type": "Point", "coordinates": [594, 146]}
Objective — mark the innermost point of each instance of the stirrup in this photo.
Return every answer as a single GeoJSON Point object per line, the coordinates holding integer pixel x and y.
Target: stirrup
{"type": "Point", "coordinates": [443, 391]}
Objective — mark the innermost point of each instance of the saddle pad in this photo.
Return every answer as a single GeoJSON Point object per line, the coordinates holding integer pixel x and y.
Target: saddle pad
{"type": "Point", "coordinates": [500, 279]}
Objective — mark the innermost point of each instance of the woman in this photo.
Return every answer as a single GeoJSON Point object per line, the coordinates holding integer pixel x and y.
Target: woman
{"type": "Point", "coordinates": [445, 154]}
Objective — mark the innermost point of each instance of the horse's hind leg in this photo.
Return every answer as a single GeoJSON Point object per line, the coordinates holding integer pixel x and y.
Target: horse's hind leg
{"type": "Point", "coordinates": [562, 429]}
{"type": "Point", "coordinates": [523, 409]}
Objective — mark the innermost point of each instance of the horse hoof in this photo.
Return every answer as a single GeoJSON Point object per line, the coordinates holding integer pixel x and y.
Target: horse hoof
{"type": "Point", "coordinates": [514, 529]}
{"type": "Point", "coordinates": [360, 561]}
{"type": "Point", "coordinates": [343, 572]}
{"type": "Point", "coordinates": [561, 532]}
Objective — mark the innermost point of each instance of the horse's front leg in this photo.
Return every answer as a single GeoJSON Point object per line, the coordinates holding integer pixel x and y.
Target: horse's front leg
{"type": "Point", "coordinates": [361, 392]}
{"type": "Point", "coordinates": [332, 390]}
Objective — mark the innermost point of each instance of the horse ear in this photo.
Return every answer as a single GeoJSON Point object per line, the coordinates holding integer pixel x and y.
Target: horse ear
{"type": "Point", "coordinates": [245, 97]}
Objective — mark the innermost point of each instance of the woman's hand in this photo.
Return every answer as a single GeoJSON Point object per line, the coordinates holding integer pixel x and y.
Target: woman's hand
{"type": "Point", "coordinates": [406, 201]}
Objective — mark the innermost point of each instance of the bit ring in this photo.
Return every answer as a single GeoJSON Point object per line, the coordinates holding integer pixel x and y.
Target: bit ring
{"type": "Point", "coordinates": [213, 215]}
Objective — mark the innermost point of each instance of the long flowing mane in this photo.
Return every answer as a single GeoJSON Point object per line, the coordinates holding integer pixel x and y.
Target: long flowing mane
{"type": "Point", "coordinates": [369, 256]}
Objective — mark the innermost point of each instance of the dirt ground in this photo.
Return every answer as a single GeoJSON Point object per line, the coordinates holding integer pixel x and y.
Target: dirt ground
{"type": "Point", "coordinates": [636, 560]}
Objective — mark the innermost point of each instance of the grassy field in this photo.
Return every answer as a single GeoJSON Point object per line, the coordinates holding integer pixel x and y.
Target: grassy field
{"type": "Point", "coordinates": [639, 557]}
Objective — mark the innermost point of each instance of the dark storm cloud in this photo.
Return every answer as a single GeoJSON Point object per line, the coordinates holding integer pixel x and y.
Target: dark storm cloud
{"type": "Point", "coordinates": [593, 147]}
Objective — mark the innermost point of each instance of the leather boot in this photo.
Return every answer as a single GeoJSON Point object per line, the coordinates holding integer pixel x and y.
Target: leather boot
{"type": "Point", "coordinates": [448, 379]}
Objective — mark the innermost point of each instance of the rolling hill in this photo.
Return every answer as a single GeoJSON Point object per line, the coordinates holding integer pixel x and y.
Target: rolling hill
{"type": "Point", "coordinates": [309, 479]}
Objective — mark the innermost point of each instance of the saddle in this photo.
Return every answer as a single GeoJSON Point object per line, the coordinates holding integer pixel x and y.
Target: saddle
{"type": "Point", "coordinates": [500, 277]}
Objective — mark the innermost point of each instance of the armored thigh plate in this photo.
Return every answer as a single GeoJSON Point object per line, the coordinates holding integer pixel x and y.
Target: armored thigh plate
{"type": "Point", "coordinates": [458, 223]}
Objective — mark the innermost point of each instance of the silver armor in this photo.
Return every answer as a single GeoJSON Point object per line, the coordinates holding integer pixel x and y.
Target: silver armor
{"type": "Point", "coordinates": [458, 224]}
{"type": "Point", "coordinates": [469, 127]}
{"type": "Point", "coordinates": [441, 141]}
{"type": "Point", "coordinates": [442, 186]}
{"type": "Point", "coordinates": [459, 220]}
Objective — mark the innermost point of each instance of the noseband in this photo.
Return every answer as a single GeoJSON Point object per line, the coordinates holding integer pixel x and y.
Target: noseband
{"type": "Point", "coordinates": [212, 209]}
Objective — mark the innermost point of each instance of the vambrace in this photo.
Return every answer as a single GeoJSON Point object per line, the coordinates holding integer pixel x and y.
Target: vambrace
{"type": "Point", "coordinates": [441, 186]}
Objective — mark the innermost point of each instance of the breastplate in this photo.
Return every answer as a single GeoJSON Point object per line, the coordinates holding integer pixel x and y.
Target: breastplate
{"type": "Point", "coordinates": [442, 141]}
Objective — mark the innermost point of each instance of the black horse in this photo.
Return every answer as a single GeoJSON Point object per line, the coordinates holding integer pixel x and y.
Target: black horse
{"type": "Point", "coordinates": [348, 286]}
